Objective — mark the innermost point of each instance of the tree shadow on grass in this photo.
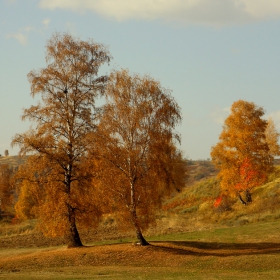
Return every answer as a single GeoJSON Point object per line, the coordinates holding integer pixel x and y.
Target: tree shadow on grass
{"type": "Point", "coordinates": [216, 248]}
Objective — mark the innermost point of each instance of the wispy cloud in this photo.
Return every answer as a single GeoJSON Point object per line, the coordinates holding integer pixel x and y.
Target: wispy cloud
{"type": "Point", "coordinates": [46, 23]}
{"type": "Point", "coordinates": [22, 34]}
{"type": "Point", "coordinates": [20, 37]}
{"type": "Point", "coordinates": [9, 2]}
{"type": "Point", "coordinates": [206, 12]}
{"type": "Point", "coordinates": [235, 51]}
{"type": "Point", "coordinates": [219, 115]}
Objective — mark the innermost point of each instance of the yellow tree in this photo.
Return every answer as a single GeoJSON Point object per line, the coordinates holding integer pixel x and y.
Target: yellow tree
{"type": "Point", "coordinates": [272, 137]}
{"type": "Point", "coordinates": [242, 153]}
{"type": "Point", "coordinates": [68, 88]}
{"type": "Point", "coordinates": [135, 143]}
{"type": "Point", "coordinates": [42, 196]}
{"type": "Point", "coordinates": [7, 190]}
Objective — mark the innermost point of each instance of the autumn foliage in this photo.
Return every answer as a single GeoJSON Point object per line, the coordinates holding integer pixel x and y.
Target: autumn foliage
{"type": "Point", "coordinates": [68, 87]}
{"type": "Point", "coordinates": [84, 160]}
{"type": "Point", "coordinates": [7, 190]}
{"type": "Point", "coordinates": [122, 157]}
{"type": "Point", "coordinates": [135, 145]}
{"type": "Point", "coordinates": [218, 201]}
{"type": "Point", "coordinates": [243, 154]}
{"type": "Point", "coordinates": [272, 136]}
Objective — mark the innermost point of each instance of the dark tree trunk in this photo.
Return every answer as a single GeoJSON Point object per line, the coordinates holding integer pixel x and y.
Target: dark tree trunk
{"type": "Point", "coordinates": [140, 237]}
{"type": "Point", "coordinates": [248, 197]}
{"type": "Point", "coordinates": [134, 218]}
{"type": "Point", "coordinates": [73, 238]}
{"type": "Point", "coordinates": [241, 199]}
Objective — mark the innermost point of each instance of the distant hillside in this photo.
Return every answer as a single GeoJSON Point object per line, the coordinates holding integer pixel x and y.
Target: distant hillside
{"type": "Point", "coordinates": [13, 161]}
{"type": "Point", "coordinates": [194, 206]}
{"type": "Point", "coordinates": [200, 169]}
{"type": "Point", "coordinates": [197, 169]}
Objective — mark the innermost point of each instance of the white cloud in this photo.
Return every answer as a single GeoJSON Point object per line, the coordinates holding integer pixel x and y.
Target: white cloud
{"type": "Point", "coordinates": [9, 2]}
{"type": "Point", "coordinates": [208, 12]}
{"type": "Point", "coordinates": [276, 118]}
{"type": "Point", "coordinates": [20, 37]}
{"type": "Point", "coordinates": [235, 51]}
{"type": "Point", "coordinates": [219, 115]}
{"type": "Point", "coordinates": [28, 28]}
{"type": "Point", "coordinates": [46, 23]}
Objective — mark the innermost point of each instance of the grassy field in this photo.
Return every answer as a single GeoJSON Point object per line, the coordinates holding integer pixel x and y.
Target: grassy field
{"type": "Point", "coordinates": [244, 252]}
{"type": "Point", "coordinates": [192, 240]}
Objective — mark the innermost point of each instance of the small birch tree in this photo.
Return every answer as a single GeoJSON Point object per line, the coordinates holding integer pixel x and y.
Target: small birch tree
{"type": "Point", "coordinates": [242, 153]}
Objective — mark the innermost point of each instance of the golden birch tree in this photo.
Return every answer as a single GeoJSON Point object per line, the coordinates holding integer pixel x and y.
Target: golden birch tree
{"type": "Point", "coordinates": [42, 196]}
{"type": "Point", "coordinates": [242, 153]}
{"type": "Point", "coordinates": [272, 137]}
{"type": "Point", "coordinates": [135, 144]}
{"type": "Point", "coordinates": [68, 87]}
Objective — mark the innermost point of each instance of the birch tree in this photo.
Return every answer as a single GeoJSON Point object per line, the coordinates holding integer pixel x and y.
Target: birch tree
{"type": "Point", "coordinates": [67, 88]}
{"type": "Point", "coordinates": [138, 160]}
{"type": "Point", "coordinates": [242, 153]}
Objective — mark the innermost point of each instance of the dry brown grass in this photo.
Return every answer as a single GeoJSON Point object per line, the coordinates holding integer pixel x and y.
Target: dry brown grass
{"type": "Point", "coordinates": [159, 254]}
{"type": "Point", "coordinates": [243, 252]}
{"type": "Point", "coordinates": [162, 260]}
{"type": "Point", "coordinates": [187, 245]}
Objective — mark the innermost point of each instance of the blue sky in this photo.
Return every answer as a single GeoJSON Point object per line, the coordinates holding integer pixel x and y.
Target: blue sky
{"type": "Point", "coordinates": [210, 53]}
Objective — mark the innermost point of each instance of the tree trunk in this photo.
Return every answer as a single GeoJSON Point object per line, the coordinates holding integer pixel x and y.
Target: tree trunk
{"type": "Point", "coordinates": [73, 237]}
{"type": "Point", "coordinates": [241, 199]}
{"type": "Point", "coordinates": [140, 237]}
{"type": "Point", "coordinates": [248, 197]}
{"type": "Point", "coordinates": [134, 218]}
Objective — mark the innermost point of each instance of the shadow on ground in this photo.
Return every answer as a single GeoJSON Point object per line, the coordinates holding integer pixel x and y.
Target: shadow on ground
{"type": "Point", "coordinates": [216, 248]}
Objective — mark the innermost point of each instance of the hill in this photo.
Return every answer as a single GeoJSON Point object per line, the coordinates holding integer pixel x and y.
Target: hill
{"type": "Point", "coordinates": [192, 239]}
{"type": "Point", "coordinates": [12, 161]}
{"type": "Point", "coordinates": [190, 210]}
{"type": "Point", "coordinates": [200, 169]}
{"type": "Point", "coordinates": [195, 205]}
{"type": "Point", "coordinates": [197, 169]}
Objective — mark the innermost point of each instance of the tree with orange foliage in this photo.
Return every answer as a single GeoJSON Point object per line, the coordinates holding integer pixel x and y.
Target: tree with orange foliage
{"type": "Point", "coordinates": [42, 196]}
{"type": "Point", "coordinates": [249, 178]}
{"type": "Point", "coordinates": [272, 137]}
{"type": "Point", "coordinates": [68, 87]}
{"type": "Point", "coordinates": [7, 190]}
{"type": "Point", "coordinates": [242, 153]}
{"type": "Point", "coordinates": [135, 143]}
